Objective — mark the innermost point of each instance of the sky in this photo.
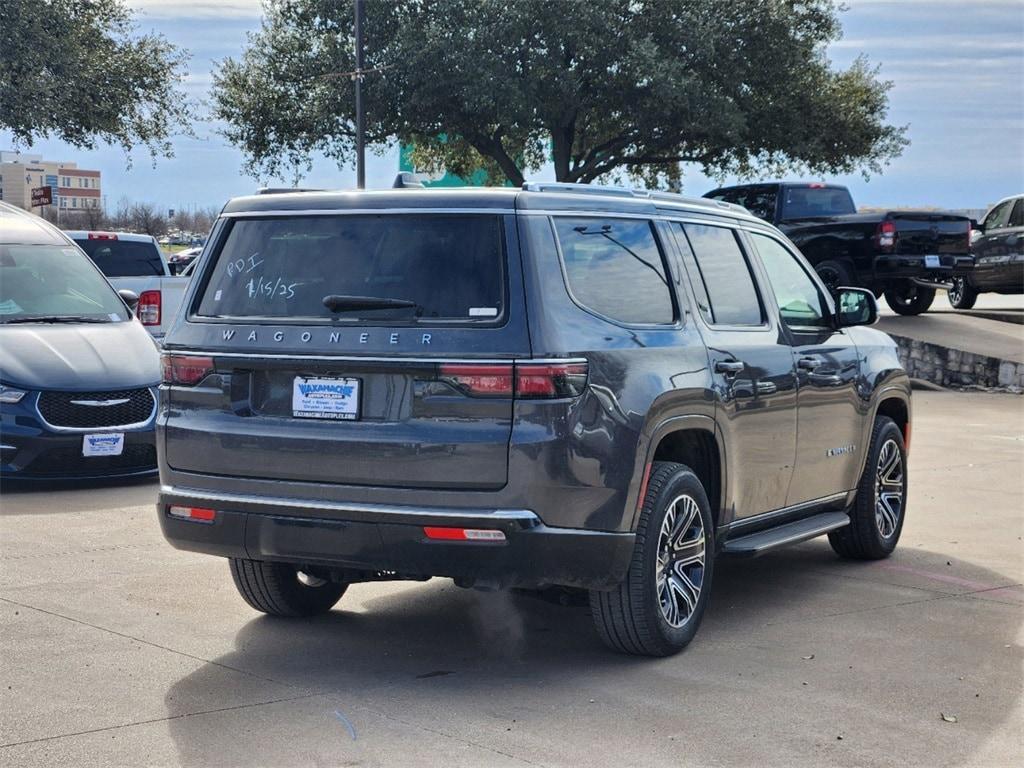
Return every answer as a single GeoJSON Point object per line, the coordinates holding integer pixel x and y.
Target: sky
{"type": "Point", "coordinates": [957, 70]}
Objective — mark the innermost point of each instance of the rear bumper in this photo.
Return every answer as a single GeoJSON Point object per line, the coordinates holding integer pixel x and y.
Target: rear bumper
{"type": "Point", "coordinates": [371, 537]}
{"type": "Point", "coordinates": [899, 266]}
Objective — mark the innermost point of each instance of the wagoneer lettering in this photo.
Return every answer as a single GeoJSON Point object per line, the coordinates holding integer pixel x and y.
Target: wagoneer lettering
{"type": "Point", "coordinates": [535, 387]}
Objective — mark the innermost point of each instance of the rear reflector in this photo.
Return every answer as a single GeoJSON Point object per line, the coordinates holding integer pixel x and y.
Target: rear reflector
{"type": "Point", "coordinates": [198, 514]}
{"type": "Point", "coordinates": [186, 370]}
{"type": "Point", "coordinates": [149, 306]}
{"type": "Point", "coordinates": [527, 380]}
{"type": "Point", "coordinates": [463, 534]}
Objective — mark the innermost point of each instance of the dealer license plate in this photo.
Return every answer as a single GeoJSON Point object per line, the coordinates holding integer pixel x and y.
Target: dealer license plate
{"type": "Point", "coordinates": [103, 444]}
{"type": "Point", "coordinates": [932, 262]}
{"type": "Point", "coordinates": [325, 398]}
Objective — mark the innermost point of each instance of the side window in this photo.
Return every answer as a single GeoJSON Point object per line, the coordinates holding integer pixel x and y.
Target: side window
{"type": "Point", "coordinates": [999, 216]}
{"type": "Point", "coordinates": [800, 302]}
{"type": "Point", "coordinates": [726, 293]}
{"type": "Point", "coordinates": [614, 267]}
{"type": "Point", "coordinates": [1017, 214]}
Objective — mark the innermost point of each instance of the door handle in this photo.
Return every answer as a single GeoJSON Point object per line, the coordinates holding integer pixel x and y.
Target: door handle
{"type": "Point", "coordinates": [809, 363]}
{"type": "Point", "coordinates": [728, 367]}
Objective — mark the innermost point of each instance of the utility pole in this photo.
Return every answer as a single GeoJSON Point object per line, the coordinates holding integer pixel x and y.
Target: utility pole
{"type": "Point", "coordinates": [360, 111]}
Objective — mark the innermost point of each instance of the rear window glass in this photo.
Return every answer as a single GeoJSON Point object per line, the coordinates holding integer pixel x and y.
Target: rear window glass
{"type": "Point", "coordinates": [124, 258]}
{"type": "Point", "coordinates": [430, 267]}
{"type": "Point", "coordinates": [614, 267]}
{"type": "Point", "coordinates": [726, 290]}
{"type": "Point", "coordinates": [811, 202]}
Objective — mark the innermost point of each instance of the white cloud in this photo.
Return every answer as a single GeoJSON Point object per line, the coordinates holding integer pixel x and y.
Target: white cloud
{"type": "Point", "coordinates": [199, 9]}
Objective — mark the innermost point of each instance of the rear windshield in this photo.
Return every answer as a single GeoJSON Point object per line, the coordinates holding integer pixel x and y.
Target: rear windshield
{"type": "Point", "coordinates": [811, 202]}
{"type": "Point", "coordinates": [432, 267]}
{"type": "Point", "coordinates": [124, 258]}
{"type": "Point", "coordinates": [52, 283]}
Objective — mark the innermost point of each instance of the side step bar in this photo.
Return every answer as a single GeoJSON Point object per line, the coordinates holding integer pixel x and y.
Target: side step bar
{"type": "Point", "coordinates": [755, 544]}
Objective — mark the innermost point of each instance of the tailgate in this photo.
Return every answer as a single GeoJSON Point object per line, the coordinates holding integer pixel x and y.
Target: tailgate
{"type": "Point", "coordinates": [922, 233]}
{"type": "Point", "coordinates": [359, 349]}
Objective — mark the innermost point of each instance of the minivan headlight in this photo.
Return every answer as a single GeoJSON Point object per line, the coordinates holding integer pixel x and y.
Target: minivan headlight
{"type": "Point", "coordinates": [10, 394]}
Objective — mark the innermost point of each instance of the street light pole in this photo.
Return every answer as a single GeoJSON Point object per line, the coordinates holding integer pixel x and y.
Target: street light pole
{"type": "Point", "coordinates": [360, 111]}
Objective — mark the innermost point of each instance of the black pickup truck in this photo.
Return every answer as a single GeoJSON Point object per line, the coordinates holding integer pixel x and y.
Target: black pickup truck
{"type": "Point", "coordinates": [903, 255]}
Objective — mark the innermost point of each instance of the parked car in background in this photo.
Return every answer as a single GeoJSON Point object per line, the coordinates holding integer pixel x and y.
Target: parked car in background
{"type": "Point", "coordinates": [136, 262]}
{"type": "Point", "coordinates": [560, 385]}
{"type": "Point", "coordinates": [903, 255]}
{"type": "Point", "coordinates": [78, 374]}
{"type": "Point", "coordinates": [998, 249]}
{"type": "Point", "coordinates": [178, 261]}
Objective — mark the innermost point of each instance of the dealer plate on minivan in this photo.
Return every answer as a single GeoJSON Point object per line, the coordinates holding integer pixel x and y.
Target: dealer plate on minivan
{"type": "Point", "coordinates": [325, 398]}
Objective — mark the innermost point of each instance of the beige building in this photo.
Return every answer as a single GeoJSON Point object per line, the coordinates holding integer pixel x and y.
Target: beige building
{"type": "Point", "coordinates": [74, 188]}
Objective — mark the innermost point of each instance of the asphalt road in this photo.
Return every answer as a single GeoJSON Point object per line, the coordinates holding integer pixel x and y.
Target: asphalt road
{"type": "Point", "coordinates": [117, 650]}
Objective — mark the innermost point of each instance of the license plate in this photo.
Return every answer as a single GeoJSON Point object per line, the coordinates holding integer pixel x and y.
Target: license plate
{"type": "Point", "coordinates": [932, 262]}
{"type": "Point", "coordinates": [103, 444]}
{"type": "Point", "coordinates": [325, 398]}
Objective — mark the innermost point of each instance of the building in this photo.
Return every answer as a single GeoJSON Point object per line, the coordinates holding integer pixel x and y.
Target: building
{"type": "Point", "coordinates": [74, 188]}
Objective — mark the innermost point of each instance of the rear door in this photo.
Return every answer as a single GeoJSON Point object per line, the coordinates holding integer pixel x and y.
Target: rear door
{"type": "Point", "coordinates": [996, 229]}
{"type": "Point", "coordinates": [752, 368]}
{"type": "Point", "coordinates": [827, 363]}
{"type": "Point", "coordinates": [360, 349]}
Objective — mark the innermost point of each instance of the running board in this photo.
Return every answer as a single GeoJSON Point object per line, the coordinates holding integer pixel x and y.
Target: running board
{"type": "Point", "coordinates": [754, 544]}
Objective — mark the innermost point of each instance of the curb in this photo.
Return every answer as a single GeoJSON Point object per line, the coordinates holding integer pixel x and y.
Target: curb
{"type": "Point", "coordinates": [943, 366]}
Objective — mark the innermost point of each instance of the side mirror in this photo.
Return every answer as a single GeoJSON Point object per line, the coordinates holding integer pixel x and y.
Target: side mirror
{"type": "Point", "coordinates": [129, 297]}
{"type": "Point", "coordinates": [172, 267]}
{"type": "Point", "coordinates": [855, 306]}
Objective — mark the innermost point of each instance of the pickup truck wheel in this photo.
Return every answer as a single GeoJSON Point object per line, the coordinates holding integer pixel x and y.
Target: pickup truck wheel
{"type": "Point", "coordinates": [281, 590]}
{"type": "Point", "coordinates": [834, 274]}
{"type": "Point", "coordinates": [657, 609]}
{"type": "Point", "coordinates": [961, 294]}
{"type": "Point", "coordinates": [876, 518]}
{"type": "Point", "coordinates": [909, 299]}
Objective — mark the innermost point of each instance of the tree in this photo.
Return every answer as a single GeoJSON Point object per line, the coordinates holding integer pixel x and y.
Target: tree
{"type": "Point", "coordinates": [78, 71]}
{"type": "Point", "coordinates": [601, 88]}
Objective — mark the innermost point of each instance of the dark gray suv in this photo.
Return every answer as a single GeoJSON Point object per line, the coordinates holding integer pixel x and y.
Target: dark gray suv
{"type": "Point", "coordinates": [559, 385]}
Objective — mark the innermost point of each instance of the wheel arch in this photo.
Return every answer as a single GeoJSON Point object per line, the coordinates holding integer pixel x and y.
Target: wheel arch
{"type": "Point", "coordinates": [694, 441]}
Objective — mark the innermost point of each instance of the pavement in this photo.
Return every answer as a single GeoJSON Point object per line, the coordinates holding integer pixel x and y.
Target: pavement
{"type": "Point", "coordinates": [116, 649]}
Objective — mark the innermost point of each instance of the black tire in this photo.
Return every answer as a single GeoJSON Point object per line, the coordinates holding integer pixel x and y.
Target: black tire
{"type": "Point", "coordinates": [909, 299]}
{"type": "Point", "coordinates": [630, 618]}
{"type": "Point", "coordinates": [276, 589]}
{"type": "Point", "coordinates": [961, 294]}
{"type": "Point", "coordinates": [834, 274]}
{"type": "Point", "coordinates": [875, 522]}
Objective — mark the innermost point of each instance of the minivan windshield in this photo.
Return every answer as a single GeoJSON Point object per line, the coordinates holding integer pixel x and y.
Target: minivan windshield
{"type": "Point", "coordinates": [393, 268]}
{"type": "Point", "coordinates": [54, 284]}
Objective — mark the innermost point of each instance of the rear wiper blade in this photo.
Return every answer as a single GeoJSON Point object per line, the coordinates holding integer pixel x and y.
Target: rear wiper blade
{"type": "Point", "coordinates": [56, 319]}
{"type": "Point", "coordinates": [337, 303]}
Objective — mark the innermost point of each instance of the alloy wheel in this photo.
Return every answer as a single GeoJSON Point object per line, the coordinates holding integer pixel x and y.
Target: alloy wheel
{"type": "Point", "coordinates": [680, 566]}
{"type": "Point", "coordinates": [956, 291]}
{"type": "Point", "coordinates": [889, 489]}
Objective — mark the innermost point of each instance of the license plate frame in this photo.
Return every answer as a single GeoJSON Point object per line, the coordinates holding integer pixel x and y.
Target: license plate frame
{"type": "Point", "coordinates": [329, 398]}
{"type": "Point", "coordinates": [932, 261]}
{"type": "Point", "coordinates": [97, 444]}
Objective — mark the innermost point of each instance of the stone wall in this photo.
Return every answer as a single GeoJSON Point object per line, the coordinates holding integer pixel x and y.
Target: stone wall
{"type": "Point", "coordinates": [956, 368]}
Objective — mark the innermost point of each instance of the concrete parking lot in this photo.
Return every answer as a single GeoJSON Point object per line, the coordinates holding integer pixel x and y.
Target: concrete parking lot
{"type": "Point", "coordinates": [117, 649]}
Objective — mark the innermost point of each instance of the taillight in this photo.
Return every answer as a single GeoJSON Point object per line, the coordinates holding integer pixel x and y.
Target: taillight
{"type": "Point", "coordinates": [196, 514]}
{"type": "Point", "coordinates": [462, 534]}
{"type": "Point", "coordinates": [885, 235]}
{"type": "Point", "coordinates": [490, 380]}
{"type": "Point", "coordinates": [541, 380]}
{"type": "Point", "coordinates": [525, 380]}
{"type": "Point", "coordinates": [186, 370]}
{"type": "Point", "coordinates": [148, 310]}
{"type": "Point", "coordinates": [102, 236]}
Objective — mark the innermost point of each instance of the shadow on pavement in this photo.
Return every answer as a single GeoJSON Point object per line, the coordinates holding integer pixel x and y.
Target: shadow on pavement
{"type": "Point", "coordinates": [446, 657]}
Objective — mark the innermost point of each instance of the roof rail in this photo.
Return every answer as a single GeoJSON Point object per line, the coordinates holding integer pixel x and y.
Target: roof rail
{"type": "Point", "coordinates": [283, 190]}
{"type": "Point", "coordinates": [611, 191]}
